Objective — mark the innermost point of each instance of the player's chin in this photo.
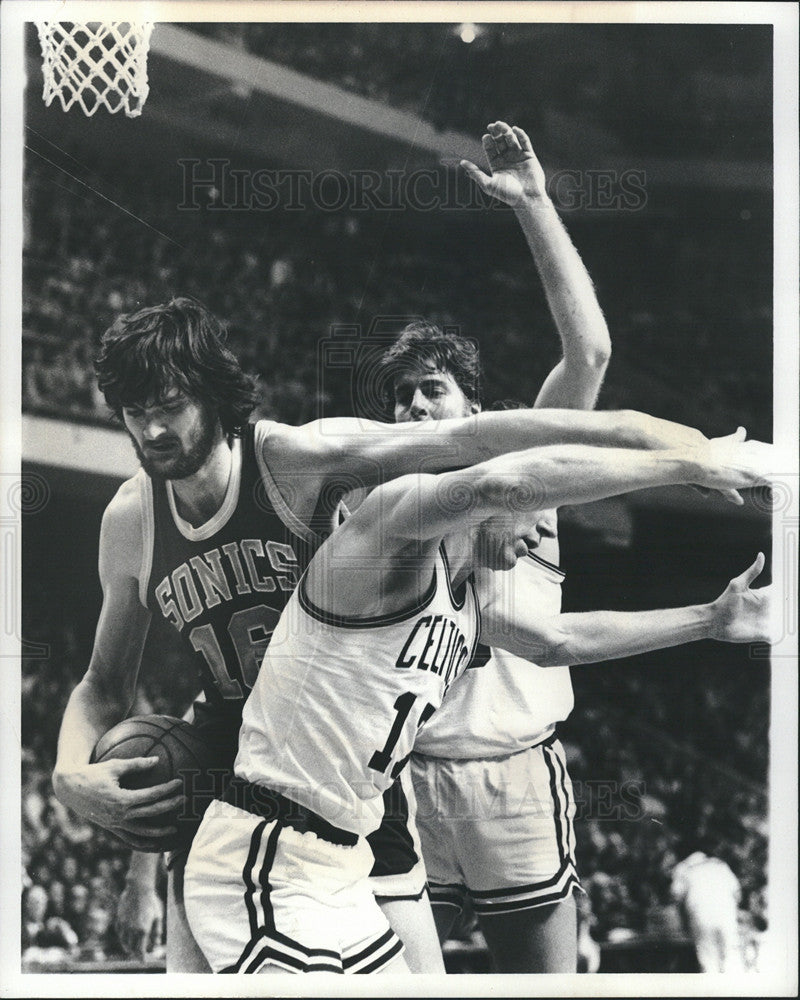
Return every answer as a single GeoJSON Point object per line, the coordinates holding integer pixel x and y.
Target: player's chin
{"type": "Point", "coordinates": [161, 466]}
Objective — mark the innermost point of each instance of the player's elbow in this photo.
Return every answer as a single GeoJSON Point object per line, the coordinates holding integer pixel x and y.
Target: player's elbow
{"type": "Point", "coordinates": [555, 649]}
{"type": "Point", "coordinates": [540, 641]}
{"type": "Point", "coordinates": [57, 784]}
{"type": "Point", "coordinates": [555, 646]}
{"type": "Point", "coordinates": [599, 355]}
{"type": "Point", "coordinates": [116, 692]}
{"type": "Point", "coordinates": [593, 355]}
{"type": "Point", "coordinates": [502, 489]}
{"type": "Point", "coordinates": [104, 695]}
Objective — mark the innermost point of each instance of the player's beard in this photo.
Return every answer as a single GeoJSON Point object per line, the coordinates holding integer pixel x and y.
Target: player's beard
{"type": "Point", "coordinates": [189, 459]}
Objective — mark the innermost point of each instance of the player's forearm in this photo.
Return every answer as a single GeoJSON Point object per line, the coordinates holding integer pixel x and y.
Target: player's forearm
{"type": "Point", "coordinates": [596, 636]}
{"type": "Point", "coordinates": [568, 287]}
{"type": "Point", "coordinates": [487, 435]}
{"type": "Point", "coordinates": [370, 453]}
{"type": "Point", "coordinates": [91, 711]}
{"type": "Point", "coordinates": [517, 430]}
{"type": "Point", "coordinates": [542, 478]}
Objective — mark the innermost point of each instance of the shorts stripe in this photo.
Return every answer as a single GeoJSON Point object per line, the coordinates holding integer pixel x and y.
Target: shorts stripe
{"type": "Point", "coordinates": [263, 878]}
{"type": "Point", "coordinates": [527, 897]}
{"type": "Point", "coordinates": [563, 804]}
{"type": "Point", "coordinates": [274, 947]}
{"type": "Point", "coordinates": [374, 955]}
{"type": "Point", "coordinates": [287, 954]}
{"type": "Point", "coordinates": [295, 958]}
{"type": "Point", "coordinates": [551, 761]}
{"type": "Point", "coordinates": [272, 956]}
{"type": "Point", "coordinates": [569, 829]}
{"type": "Point", "coordinates": [447, 895]}
{"type": "Point", "coordinates": [247, 877]}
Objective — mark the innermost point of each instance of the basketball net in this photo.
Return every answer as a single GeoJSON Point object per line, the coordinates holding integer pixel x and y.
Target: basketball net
{"type": "Point", "coordinates": [96, 64]}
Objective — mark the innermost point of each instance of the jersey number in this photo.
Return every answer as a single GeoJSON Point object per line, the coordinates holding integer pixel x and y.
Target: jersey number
{"type": "Point", "coordinates": [250, 630]}
{"type": "Point", "coordinates": [381, 759]}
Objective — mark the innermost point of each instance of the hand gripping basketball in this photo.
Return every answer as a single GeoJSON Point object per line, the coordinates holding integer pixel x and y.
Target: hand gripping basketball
{"type": "Point", "coordinates": [179, 762]}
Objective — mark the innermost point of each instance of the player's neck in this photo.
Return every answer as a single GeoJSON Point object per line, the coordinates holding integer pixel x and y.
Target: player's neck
{"type": "Point", "coordinates": [198, 497]}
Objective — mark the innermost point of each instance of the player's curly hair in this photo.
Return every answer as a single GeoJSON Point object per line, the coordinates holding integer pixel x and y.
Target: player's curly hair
{"type": "Point", "coordinates": [424, 345]}
{"type": "Point", "coordinates": [178, 343]}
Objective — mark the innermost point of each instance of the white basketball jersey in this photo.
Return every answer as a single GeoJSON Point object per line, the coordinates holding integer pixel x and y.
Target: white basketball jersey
{"type": "Point", "coordinates": [335, 709]}
{"type": "Point", "coordinates": [504, 704]}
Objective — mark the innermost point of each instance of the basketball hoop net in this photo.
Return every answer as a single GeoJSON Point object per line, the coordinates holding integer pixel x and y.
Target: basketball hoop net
{"type": "Point", "coordinates": [96, 64]}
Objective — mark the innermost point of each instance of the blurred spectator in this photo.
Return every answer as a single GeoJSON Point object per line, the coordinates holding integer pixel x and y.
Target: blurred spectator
{"type": "Point", "coordinates": [77, 908]}
{"type": "Point", "coordinates": [97, 943]}
{"type": "Point", "coordinates": [70, 869]}
{"type": "Point", "coordinates": [40, 931]}
{"type": "Point", "coordinates": [57, 900]}
{"type": "Point", "coordinates": [282, 286]}
{"type": "Point", "coordinates": [708, 895]}
{"type": "Point", "coordinates": [34, 907]}
{"type": "Point", "coordinates": [588, 948]}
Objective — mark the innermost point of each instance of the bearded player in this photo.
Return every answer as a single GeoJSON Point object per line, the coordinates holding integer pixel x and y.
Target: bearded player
{"type": "Point", "coordinates": [210, 534]}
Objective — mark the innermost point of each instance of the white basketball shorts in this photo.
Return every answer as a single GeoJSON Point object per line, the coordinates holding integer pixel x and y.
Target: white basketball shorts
{"type": "Point", "coordinates": [499, 829]}
{"type": "Point", "coordinates": [260, 892]}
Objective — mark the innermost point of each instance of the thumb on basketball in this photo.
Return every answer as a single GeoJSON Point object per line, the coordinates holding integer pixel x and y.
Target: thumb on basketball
{"type": "Point", "coordinates": [132, 764]}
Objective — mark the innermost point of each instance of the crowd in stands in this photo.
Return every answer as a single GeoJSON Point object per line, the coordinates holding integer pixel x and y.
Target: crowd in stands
{"type": "Point", "coordinates": [73, 872]}
{"type": "Point", "coordinates": [651, 785]}
{"type": "Point", "coordinates": [284, 280]}
{"type": "Point", "coordinates": [649, 794]}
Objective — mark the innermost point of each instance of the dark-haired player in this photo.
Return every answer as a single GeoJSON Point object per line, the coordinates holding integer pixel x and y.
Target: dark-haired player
{"type": "Point", "coordinates": [381, 626]}
{"type": "Point", "coordinates": [210, 533]}
{"type": "Point", "coordinates": [493, 794]}
{"type": "Point", "coordinates": [512, 855]}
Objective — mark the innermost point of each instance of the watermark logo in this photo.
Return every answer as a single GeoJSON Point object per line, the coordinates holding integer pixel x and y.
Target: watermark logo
{"type": "Point", "coordinates": [218, 185]}
{"type": "Point", "coordinates": [25, 495]}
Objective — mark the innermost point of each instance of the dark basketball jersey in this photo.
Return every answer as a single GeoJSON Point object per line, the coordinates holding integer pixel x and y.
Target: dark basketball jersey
{"type": "Point", "coordinates": [223, 584]}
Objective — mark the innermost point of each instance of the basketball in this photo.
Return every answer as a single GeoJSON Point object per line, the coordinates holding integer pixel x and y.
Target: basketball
{"type": "Point", "coordinates": [261, 265]}
{"type": "Point", "coordinates": [182, 753]}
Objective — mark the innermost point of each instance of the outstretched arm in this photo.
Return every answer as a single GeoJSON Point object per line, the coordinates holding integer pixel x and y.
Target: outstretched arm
{"type": "Point", "coordinates": [514, 486]}
{"type": "Point", "coordinates": [347, 452]}
{"type": "Point", "coordinates": [739, 614]}
{"type": "Point", "coordinates": [518, 180]}
{"type": "Point", "coordinates": [377, 555]}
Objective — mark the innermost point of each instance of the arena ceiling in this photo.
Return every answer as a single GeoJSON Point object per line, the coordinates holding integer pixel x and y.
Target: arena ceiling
{"type": "Point", "coordinates": [207, 94]}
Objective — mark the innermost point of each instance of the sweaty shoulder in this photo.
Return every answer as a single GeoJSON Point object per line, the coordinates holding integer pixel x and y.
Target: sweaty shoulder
{"type": "Point", "coordinates": [121, 533]}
